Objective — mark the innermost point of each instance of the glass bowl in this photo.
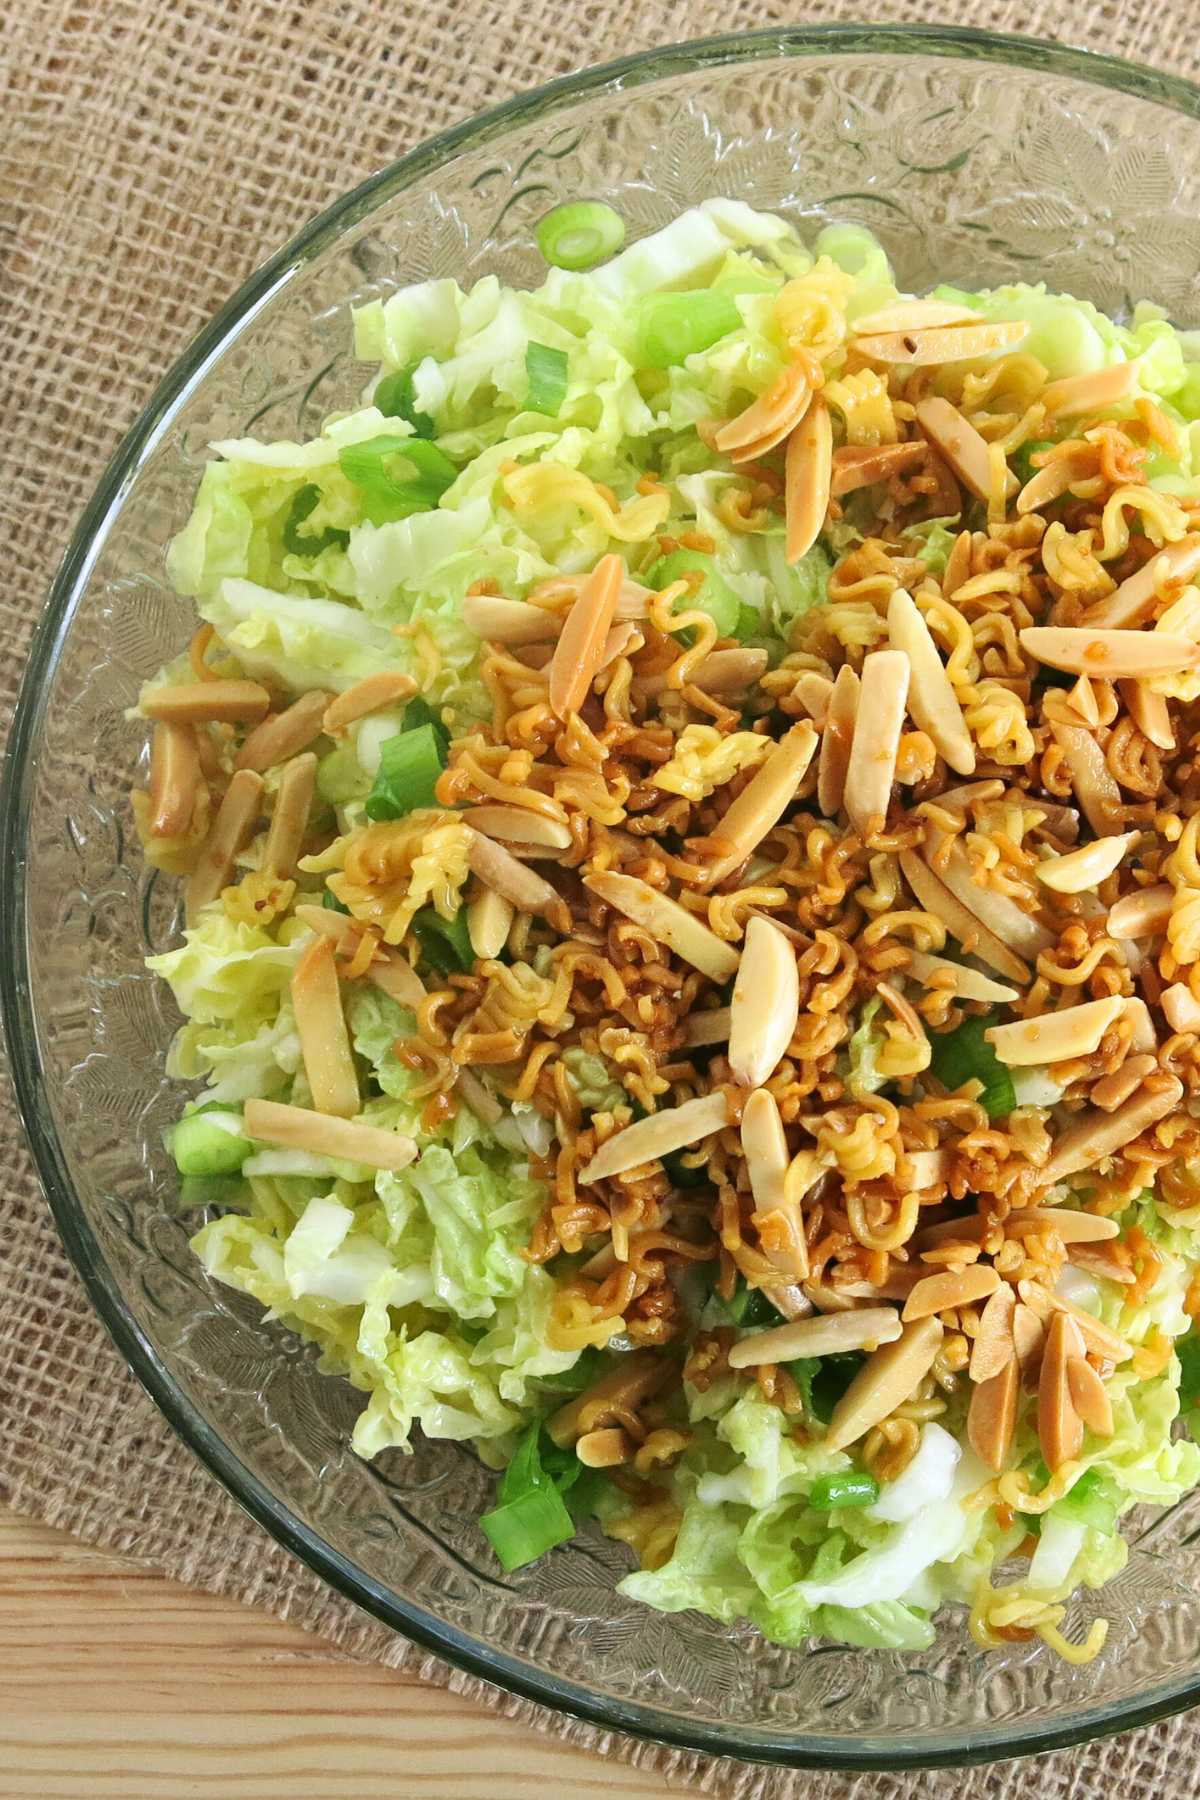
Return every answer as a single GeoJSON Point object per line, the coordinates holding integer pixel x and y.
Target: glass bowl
{"type": "Point", "coordinates": [975, 159]}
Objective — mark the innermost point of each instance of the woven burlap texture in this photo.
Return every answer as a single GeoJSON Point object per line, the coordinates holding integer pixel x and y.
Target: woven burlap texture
{"type": "Point", "coordinates": [152, 152]}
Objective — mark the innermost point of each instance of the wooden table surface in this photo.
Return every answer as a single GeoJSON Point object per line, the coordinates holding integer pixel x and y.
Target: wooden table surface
{"type": "Point", "coordinates": [116, 1684]}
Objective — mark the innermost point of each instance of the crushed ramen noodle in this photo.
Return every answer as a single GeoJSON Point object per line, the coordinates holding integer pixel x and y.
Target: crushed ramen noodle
{"type": "Point", "coordinates": [688, 800]}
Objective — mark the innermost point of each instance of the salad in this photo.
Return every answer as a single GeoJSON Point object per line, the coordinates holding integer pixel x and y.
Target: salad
{"type": "Point", "coordinates": [689, 806]}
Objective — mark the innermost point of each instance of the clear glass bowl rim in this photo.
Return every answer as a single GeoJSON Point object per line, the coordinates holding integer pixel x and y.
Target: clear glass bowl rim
{"type": "Point", "coordinates": [754, 1743]}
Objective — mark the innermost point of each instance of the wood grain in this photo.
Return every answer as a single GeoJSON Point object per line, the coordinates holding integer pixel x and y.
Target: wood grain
{"type": "Point", "coordinates": [116, 1682]}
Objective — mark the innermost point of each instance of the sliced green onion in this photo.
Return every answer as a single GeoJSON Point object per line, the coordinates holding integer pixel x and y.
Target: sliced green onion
{"type": "Point", "coordinates": [964, 1055]}
{"type": "Point", "coordinates": [409, 765]}
{"type": "Point", "coordinates": [714, 595]}
{"type": "Point", "coordinates": [749, 1306]}
{"type": "Point", "coordinates": [395, 399]}
{"type": "Point", "coordinates": [200, 1146]}
{"type": "Point", "coordinates": [823, 1380]}
{"type": "Point", "coordinates": [331, 903]}
{"type": "Point", "coordinates": [418, 712]}
{"type": "Point", "coordinates": [851, 1487]}
{"type": "Point", "coordinates": [370, 465]}
{"type": "Point", "coordinates": [522, 1530]}
{"type": "Point", "coordinates": [1094, 1500]}
{"type": "Point", "coordinates": [341, 777]}
{"type": "Point", "coordinates": [547, 372]}
{"type": "Point", "coordinates": [298, 543]}
{"type": "Point", "coordinates": [579, 234]}
{"type": "Point", "coordinates": [749, 622]}
{"type": "Point", "coordinates": [668, 328]}
{"type": "Point", "coordinates": [445, 943]}
{"type": "Point", "coordinates": [210, 1190]}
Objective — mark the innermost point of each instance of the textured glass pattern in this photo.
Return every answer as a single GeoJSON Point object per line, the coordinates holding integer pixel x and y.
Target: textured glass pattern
{"type": "Point", "coordinates": [970, 168]}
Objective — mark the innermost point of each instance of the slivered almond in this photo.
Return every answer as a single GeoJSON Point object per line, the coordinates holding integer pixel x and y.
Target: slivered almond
{"type": "Point", "coordinates": [877, 728]}
{"type": "Point", "coordinates": [620, 637]}
{"type": "Point", "coordinates": [1060, 1428]}
{"type": "Point", "coordinates": [860, 465]}
{"type": "Point", "coordinates": [497, 869]}
{"type": "Point", "coordinates": [1049, 483]}
{"type": "Point", "coordinates": [1098, 1338]}
{"type": "Point", "coordinates": [964, 983]}
{"type": "Point", "coordinates": [489, 919]}
{"type": "Point", "coordinates": [959, 442]}
{"type": "Point", "coordinates": [969, 1229]}
{"type": "Point", "coordinates": [371, 694]}
{"type": "Point", "coordinates": [931, 697]}
{"type": "Point", "coordinates": [1133, 602]}
{"type": "Point", "coordinates": [767, 420]}
{"type": "Point", "coordinates": [764, 1147]}
{"type": "Point", "coordinates": [1093, 1136]}
{"type": "Point", "coordinates": [1181, 1007]}
{"type": "Point", "coordinates": [321, 1025]}
{"type": "Point", "coordinates": [1145, 1038]}
{"type": "Point", "coordinates": [1095, 788]}
{"type": "Point", "coordinates": [913, 315]}
{"type": "Point", "coordinates": [605, 1448]}
{"type": "Point", "coordinates": [1002, 916]}
{"type": "Point", "coordinates": [791, 1301]}
{"type": "Point", "coordinates": [807, 479]}
{"type": "Point", "coordinates": [1084, 869]}
{"type": "Point", "coordinates": [937, 899]}
{"type": "Point", "coordinates": [992, 1349]}
{"type": "Point", "coordinates": [764, 799]}
{"type": "Point", "coordinates": [480, 1099]}
{"type": "Point", "coordinates": [231, 829]}
{"type": "Point", "coordinates": [926, 1168]}
{"type": "Point", "coordinates": [992, 1415]}
{"type": "Point", "coordinates": [949, 1289]}
{"type": "Point", "coordinates": [1093, 392]}
{"type": "Point", "coordinates": [1115, 1088]}
{"type": "Point", "coordinates": [1072, 1227]}
{"type": "Point", "coordinates": [519, 825]}
{"type": "Point", "coordinates": [1053, 1037]}
{"type": "Point", "coordinates": [825, 1334]}
{"type": "Point", "coordinates": [1063, 821]}
{"type": "Point", "coordinates": [174, 779]}
{"type": "Point", "coordinates": [721, 672]}
{"type": "Point", "coordinates": [930, 346]}
{"type": "Point", "coordinates": [581, 641]}
{"type": "Point", "coordinates": [297, 1128]}
{"type": "Point", "coordinates": [836, 738]}
{"type": "Point", "coordinates": [657, 1136]}
{"type": "Point", "coordinates": [1142, 914]}
{"type": "Point", "coordinates": [885, 1381]}
{"type": "Point", "coordinates": [289, 732]}
{"type": "Point", "coordinates": [708, 1027]}
{"type": "Point", "coordinates": [1101, 1262]}
{"type": "Point", "coordinates": [388, 970]}
{"type": "Point", "coordinates": [814, 693]}
{"type": "Point", "coordinates": [668, 922]}
{"type": "Point", "coordinates": [501, 621]}
{"type": "Point", "coordinates": [289, 821]}
{"type": "Point", "coordinates": [616, 1395]}
{"type": "Point", "coordinates": [1085, 650]}
{"type": "Point", "coordinates": [207, 703]}
{"type": "Point", "coordinates": [765, 1005]}
{"type": "Point", "coordinates": [1149, 712]}
{"type": "Point", "coordinates": [1029, 1334]}
{"type": "Point", "coordinates": [1089, 1396]}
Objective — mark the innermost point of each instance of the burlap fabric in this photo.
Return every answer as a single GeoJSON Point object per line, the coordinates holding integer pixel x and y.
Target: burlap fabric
{"type": "Point", "coordinates": [152, 152]}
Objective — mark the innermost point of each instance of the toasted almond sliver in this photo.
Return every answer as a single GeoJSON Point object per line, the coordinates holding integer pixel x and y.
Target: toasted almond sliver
{"type": "Point", "coordinates": [1049, 483]}
{"type": "Point", "coordinates": [1095, 789]}
{"type": "Point", "coordinates": [606, 1448]}
{"type": "Point", "coordinates": [825, 1334]}
{"type": "Point", "coordinates": [481, 1100]}
{"type": "Point", "coordinates": [1098, 1261]}
{"type": "Point", "coordinates": [836, 739]}
{"type": "Point", "coordinates": [937, 899]}
{"type": "Point", "coordinates": [710, 1026]}
{"type": "Point", "coordinates": [1029, 1334]}
{"type": "Point", "coordinates": [913, 315]}
{"type": "Point", "coordinates": [1090, 1397]}
{"type": "Point", "coordinates": [926, 1168]}
{"type": "Point", "coordinates": [287, 734]}
{"type": "Point", "coordinates": [930, 346]}
{"type": "Point", "coordinates": [1142, 914]}
{"type": "Point", "coordinates": [1002, 916]}
{"type": "Point", "coordinates": [721, 672]}
{"type": "Point", "coordinates": [500, 870]}
{"type": "Point", "coordinates": [885, 1381]}
{"type": "Point", "coordinates": [1098, 1338]}
{"type": "Point", "coordinates": [581, 641]}
{"type": "Point", "coordinates": [649, 1139]}
{"type": "Point", "coordinates": [1145, 1038]}
{"type": "Point", "coordinates": [370, 695]}
{"type": "Point", "coordinates": [1181, 1007]}
{"type": "Point", "coordinates": [174, 779]}
{"type": "Point", "coordinates": [235, 820]}
{"type": "Point", "coordinates": [992, 1415]}
{"type": "Point", "coordinates": [388, 970]}
{"type": "Point", "coordinates": [765, 1149]}
{"type": "Point", "coordinates": [1092, 1136]}
{"type": "Point", "coordinates": [1060, 1429]}
{"type": "Point", "coordinates": [1094, 392]}
{"type": "Point", "coordinates": [764, 799]}
{"type": "Point", "coordinates": [860, 465]}
{"type": "Point", "coordinates": [298, 1128]}
{"type": "Point", "coordinates": [321, 1026]}
{"type": "Point", "coordinates": [771, 416]}
{"type": "Point", "coordinates": [620, 1392]}
{"type": "Point", "coordinates": [791, 1301]}
{"type": "Point", "coordinates": [207, 703]}
{"type": "Point", "coordinates": [669, 922]}
{"type": "Point", "coordinates": [1073, 1227]}
{"type": "Point", "coordinates": [620, 637]}
{"type": "Point", "coordinates": [1149, 712]}
{"type": "Point", "coordinates": [877, 728]}
{"type": "Point", "coordinates": [993, 1349]}
{"type": "Point", "coordinates": [1054, 1037]}
{"type": "Point", "coordinates": [931, 697]}
{"type": "Point", "coordinates": [814, 693]}
{"type": "Point", "coordinates": [289, 821]}
{"type": "Point", "coordinates": [1081, 870]}
{"type": "Point", "coordinates": [501, 621]}
{"type": "Point", "coordinates": [1087, 651]}
{"type": "Point", "coordinates": [948, 1289]}
{"type": "Point", "coordinates": [969, 1229]}
{"type": "Point", "coordinates": [519, 825]}
{"type": "Point", "coordinates": [807, 479]}
{"type": "Point", "coordinates": [964, 983]}
{"type": "Point", "coordinates": [959, 442]}
{"type": "Point", "coordinates": [765, 1005]}
{"type": "Point", "coordinates": [489, 919]}
{"type": "Point", "coordinates": [967, 794]}
{"type": "Point", "coordinates": [1134, 600]}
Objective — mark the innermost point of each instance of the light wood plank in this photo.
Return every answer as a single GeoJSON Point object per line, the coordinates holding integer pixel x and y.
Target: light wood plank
{"type": "Point", "coordinates": [118, 1683]}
